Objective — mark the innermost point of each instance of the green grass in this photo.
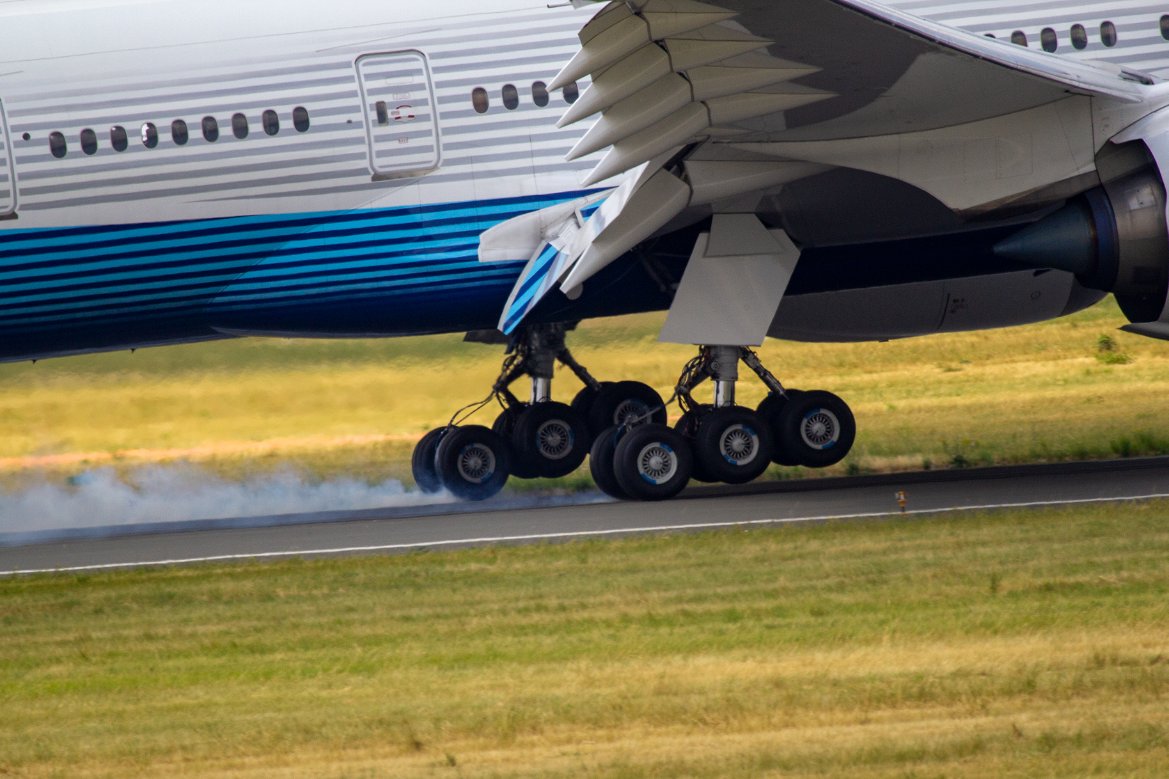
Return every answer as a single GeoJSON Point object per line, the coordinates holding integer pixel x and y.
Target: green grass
{"type": "Point", "coordinates": [1005, 644]}
{"type": "Point", "coordinates": [1072, 388]}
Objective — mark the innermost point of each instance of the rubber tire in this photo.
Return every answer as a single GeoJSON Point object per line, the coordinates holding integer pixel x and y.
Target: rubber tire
{"type": "Point", "coordinates": [768, 410]}
{"type": "Point", "coordinates": [582, 402]}
{"type": "Point", "coordinates": [504, 426]}
{"type": "Point", "coordinates": [798, 411]}
{"type": "Point", "coordinates": [601, 462]}
{"type": "Point", "coordinates": [422, 461]}
{"type": "Point", "coordinates": [710, 456]}
{"type": "Point", "coordinates": [606, 407]}
{"type": "Point", "coordinates": [525, 440]}
{"type": "Point", "coordinates": [453, 447]}
{"type": "Point", "coordinates": [631, 450]}
{"type": "Point", "coordinates": [687, 426]}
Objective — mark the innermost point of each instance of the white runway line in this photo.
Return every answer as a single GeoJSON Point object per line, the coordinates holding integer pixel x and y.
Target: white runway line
{"type": "Point", "coordinates": [576, 534]}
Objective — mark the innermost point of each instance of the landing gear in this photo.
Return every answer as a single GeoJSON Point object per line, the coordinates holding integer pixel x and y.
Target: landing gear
{"type": "Point", "coordinates": [533, 438]}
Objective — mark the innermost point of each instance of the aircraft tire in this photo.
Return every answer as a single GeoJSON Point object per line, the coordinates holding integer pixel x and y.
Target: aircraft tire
{"type": "Point", "coordinates": [622, 401]}
{"type": "Point", "coordinates": [768, 410]}
{"type": "Point", "coordinates": [601, 462]}
{"type": "Point", "coordinates": [504, 426]}
{"type": "Point", "coordinates": [652, 462]}
{"type": "Point", "coordinates": [817, 429]}
{"type": "Point", "coordinates": [473, 462]}
{"type": "Point", "coordinates": [732, 445]}
{"type": "Point", "coordinates": [422, 464]}
{"type": "Point", "coordinates": [549, 440]}
{"type": "Point", "coordinates": [582, 403]}
{"type": "Point", "coordinates": [687, 427]}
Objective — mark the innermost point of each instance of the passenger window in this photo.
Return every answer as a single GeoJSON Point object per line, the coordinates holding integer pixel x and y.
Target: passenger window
{"type": "Point", "coordinates": [271, 122]}
{"type": "Point", "coordinates": [57, 145]}
{"type": "Point", "coordinates": [571, 93]}
{"type": "Point", "coordinates": [239, 126]}
{"type": "Point", "coordinates": [1079, 36]}
{"type": "Point", "coordinates": [149, 135]}
{"type": "Point", "coordinates": [118, 138]}
{"type": "Point", "coordinates": [1048, 39]}
{"type": "Point", "coordinates": [540, 93]}
{"type": "Point", "coordinates": [178, 132]}
{"type": "Point", "coordinates": [89, 142]}
{"type": "Point", "coordinates": [1165, 27]}
{"type": "Point", "coordinates": [511, 97]}
{"type": "Point", "coordinates": [479, 100]}
{"type": "Point", "coordinates": [300, 119]}
{"type": "Point", "coordinates": [1019, 37]}
{"type": "Point", "coordinates": [210, 129]}
{"type": "Point", "coordinates": [1108, 34]}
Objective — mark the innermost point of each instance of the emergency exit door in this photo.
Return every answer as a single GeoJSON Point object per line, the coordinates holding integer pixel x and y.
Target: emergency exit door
{"type": "Point", "coordinates": [401, 118]}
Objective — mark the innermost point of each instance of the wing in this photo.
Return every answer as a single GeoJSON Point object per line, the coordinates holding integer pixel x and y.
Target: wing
{"type": "Point", "coordinates": [699, 103]}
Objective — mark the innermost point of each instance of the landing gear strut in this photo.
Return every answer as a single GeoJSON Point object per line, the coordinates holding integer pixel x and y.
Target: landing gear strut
{"type": "Point", "coordinates": [538, 437]}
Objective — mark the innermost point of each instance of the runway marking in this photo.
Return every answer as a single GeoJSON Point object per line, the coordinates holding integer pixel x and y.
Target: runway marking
{"type": "Point", "coordinates": [577, 534]}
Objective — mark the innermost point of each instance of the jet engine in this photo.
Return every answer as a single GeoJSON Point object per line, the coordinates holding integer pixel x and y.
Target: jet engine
{"type": "Point", "coordinates": [1114, 238]}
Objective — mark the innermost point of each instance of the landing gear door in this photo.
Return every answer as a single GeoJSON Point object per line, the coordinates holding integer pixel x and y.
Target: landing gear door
{"type": "Point", "coordinates": [7, 169]}
{"type": "Point", "coordinates": [401, 117]}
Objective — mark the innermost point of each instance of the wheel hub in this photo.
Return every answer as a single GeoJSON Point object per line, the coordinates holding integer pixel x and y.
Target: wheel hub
{"type": "Point", "coordinates": [629, 410]}
{"type": "Point", "coordinates": [476, 463]}
{"type": "Point", "coordinates": [554, 439]}
{"type": "Point", "coordinates": [820, 429]}
{"type": "Point", "coordinates": [657, 463]}
{"type": "Point", "coordinates": [739, 444]}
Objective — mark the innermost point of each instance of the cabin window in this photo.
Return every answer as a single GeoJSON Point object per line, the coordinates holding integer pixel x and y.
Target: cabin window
{"type": "Point", "coordinates": [210, 129]}
{"type": "Point", "coordinates": [57, 145]}
{"type": "Point", "coordinates": [239, 126]}
{"type": "Point", "coordinates": [178, 132]}
{"type": "Point", "coordinates": [479, 100]}
{"type": "Point", "coordinates": [89, 141]}
{"type": "Point", "coordinates": [271, 122]}
{"type": "Point", "coordinates": [511, 97]}
{"type": "Point", "coordinates": [1079, 36]}
{"type": "Point", "coordinates": [1108, 34]}
{"type": "Point", "coordinates": [571, 93]}
{"type": "Point", "coordinates": [149, 135]}
{"type": "Point", "coordinates": [1049, 40]}
{"type": "Point", "coordinates": [1165, 27]}
{"type": "Point", "coordinates": [540, 93]}
{"type": "Point", "coordinates": [300, 119]}
{"type": "Point", "coordinates": [1019, 37]}
{"type": "Point", "coordinates": [118, 138]}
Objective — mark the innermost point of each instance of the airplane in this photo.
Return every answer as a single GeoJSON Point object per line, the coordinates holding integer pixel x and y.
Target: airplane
{"type": "Point", "coordinates": [813, 170]}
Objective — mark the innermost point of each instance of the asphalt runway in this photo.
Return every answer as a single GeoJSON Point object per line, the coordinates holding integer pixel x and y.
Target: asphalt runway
{"type": "Point", "coordinates": [536, 519]}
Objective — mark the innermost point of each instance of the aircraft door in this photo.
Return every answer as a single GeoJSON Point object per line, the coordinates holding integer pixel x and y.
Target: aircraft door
{"type": "Point", "coordinates": [401, 117]}
{"type": "Point", "coordinates": [7, 168]}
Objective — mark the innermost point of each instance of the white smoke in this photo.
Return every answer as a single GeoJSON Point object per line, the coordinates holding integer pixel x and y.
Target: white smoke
{"type": "Point", "coordinates": [168, 494]}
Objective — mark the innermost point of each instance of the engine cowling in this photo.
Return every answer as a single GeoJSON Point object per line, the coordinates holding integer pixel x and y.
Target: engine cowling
{"type": "Point", "coordinates": [1114, 238]}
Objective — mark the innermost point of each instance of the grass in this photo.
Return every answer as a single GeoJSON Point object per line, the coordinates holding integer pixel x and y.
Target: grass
{"type": "Point", "coordinates": [1072, 388]}
{"type": "Point", "coordinates": [1004, 644]}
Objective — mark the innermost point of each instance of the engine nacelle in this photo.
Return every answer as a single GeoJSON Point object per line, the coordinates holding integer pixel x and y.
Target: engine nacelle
{"type": "Point", "coordinates": [1114, 238]}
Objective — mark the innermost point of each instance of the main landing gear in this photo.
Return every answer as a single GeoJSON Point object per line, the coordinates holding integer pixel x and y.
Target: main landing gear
{"type": "Point", "coordinates": [534, 438]}
{"type": "Point", "coordinates": [722, 441]}
{"type": "Point", "coordinates": [621, 425]}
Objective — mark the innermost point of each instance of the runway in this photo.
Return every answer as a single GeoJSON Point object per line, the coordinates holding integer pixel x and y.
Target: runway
{"type": "Point", "coordinates": [543, 519]}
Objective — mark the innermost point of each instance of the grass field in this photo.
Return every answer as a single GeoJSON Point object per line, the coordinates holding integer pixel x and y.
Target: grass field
{"type": "Point", "coordinates": [1004, 645]}
{"type": "Point", "coordinates": [1068, 389]}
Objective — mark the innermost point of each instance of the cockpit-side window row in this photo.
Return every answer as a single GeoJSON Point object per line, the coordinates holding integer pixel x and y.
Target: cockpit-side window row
{"type": "Point", "coordinates": [180, 132]}
{"type": "Point", "coordinates": [1078, 34]}
{"type": "Point", "coordinates": [510, 96]}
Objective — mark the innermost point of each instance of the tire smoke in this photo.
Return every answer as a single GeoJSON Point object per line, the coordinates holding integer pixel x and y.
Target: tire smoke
{"type": "Point", "coordinates": [156, 495]}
